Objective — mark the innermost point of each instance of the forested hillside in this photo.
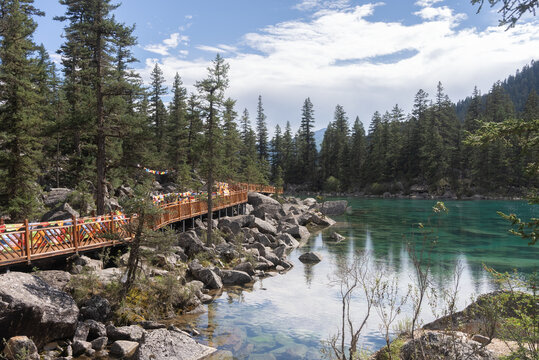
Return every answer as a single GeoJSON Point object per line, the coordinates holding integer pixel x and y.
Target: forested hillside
{"type": "Point", "coordinates": [426, 148]}
{"type": "Point", "coordinates": [517, 86]}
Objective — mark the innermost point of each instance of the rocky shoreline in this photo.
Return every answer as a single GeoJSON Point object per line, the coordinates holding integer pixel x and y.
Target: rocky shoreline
{"type": "Point", "coordinates": [40, 318]}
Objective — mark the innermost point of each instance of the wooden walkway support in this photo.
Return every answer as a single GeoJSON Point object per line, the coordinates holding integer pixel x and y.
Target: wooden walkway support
{"type": "Point", "coordinates": [32, 241]}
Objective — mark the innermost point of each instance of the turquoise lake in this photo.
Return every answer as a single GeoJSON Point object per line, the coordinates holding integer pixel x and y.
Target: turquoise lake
{"type": "Point", "coordinates": [286, 316]}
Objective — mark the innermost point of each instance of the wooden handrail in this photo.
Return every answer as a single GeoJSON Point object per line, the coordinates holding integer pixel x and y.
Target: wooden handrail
{"type": "Point", "coordinates": [31, 241]}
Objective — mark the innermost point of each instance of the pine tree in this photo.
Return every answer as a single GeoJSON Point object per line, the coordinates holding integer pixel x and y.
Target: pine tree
{"type": "Point", "coordinates": [307, 145]}
{"type": "Point", "coordinates": [20, 109]}
{"type": "Point", "coordinates": [276, 153]}
{"type": "Point", "coordinates": [156, 106]}
{"type": "Point", "coordinates": [90, 37]}
{"type": "Point", "coordinates": [211, 92]}
{"type": "Point", "coordinates": [177, 130]}
{"type": "Point", "coordinates": [231, 142]}
{"type": "Point", "coordinates": [358, 153]}
{"type": "Point", "coordinates": [194, 132]}
{"type": "Point", "coordinates": [261, 130]}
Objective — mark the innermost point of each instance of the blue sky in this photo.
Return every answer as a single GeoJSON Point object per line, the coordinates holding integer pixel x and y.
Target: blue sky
{"type": "Point", "coordinates": [366, 56]}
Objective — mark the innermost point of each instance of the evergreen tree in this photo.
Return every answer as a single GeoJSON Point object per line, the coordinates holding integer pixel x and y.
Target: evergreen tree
{"type": "Point", "coordinates": [194, 132]}
{"type": "Point", "coordinates": [262, 131]}
{"type": "Point", "coordinates": [211, 92]}
{"type": "Point", "coordinates": [307, 144]}
{"type": "Point", "coordinates": [276, 153]}
{"type": "Point", "coordinates": [177, 130]}
{"type": "Point", "coordinates": [231, 142]}
{"type": "Point", "coordinates": [157, 110]}
{"type": "Point", "coordinates": [20, 109]}
{"type": "Point", "coordinates": [357, 153]}
{"type": "Point", "coordinates": [91, 34]}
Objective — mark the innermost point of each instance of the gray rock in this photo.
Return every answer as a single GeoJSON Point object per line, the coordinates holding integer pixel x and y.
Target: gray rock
{"type": "Point", "coordinates": [171, 344]}
{"type": "Point", "coordinates": [124, 190]}
{"type": "Point", "coordinates": [337, 237]}
{"type": "Point", "coordinates": [108, 275]}
{"type": "Point", "coordinates": [124, 349]}
{"type": "Point", "coordinates": [190, 243]}
{"type": "Point", "coordinates": [309, 202]}
{"type": "Point", "coordinates": [481, 339]}
{"type": "Point", "coordinates": [56, 196]}
{"type": "Point", "coordinates": [240, 220]}
{"type": "Point", "coordinates": [299, 232]}
{"type": "Point", "coordinates": [310, 257]}
{"type": "Point", "coordinates": [20, 347]}
{"type": "Point", "coordinates": [58, 279]}
{"type": "Point", "coordinates": [62, 212]}
{"type": "Point", "coordinates": [246, 267]}
{"type": "Point", "coordinates": [448, 346]}
{"type": "Point", "coordinates": [95, 329]}
{"type": "Point", "coordinates": [261, 248]}
{"type": "Point", "coordinates": [235, 277]}
{"type": "Point", "coordinates": [290, 219]}
{"type": "Point", "coordinates": [248, 209]}
{"type": "Point", "coordinates": [99, 343]}
{"type": "Point", "coordinates": [337, 207]}
{"type": "Point", "coordinates": [131, 333]}
{"type": "Point", "coordinates": [88, 263]}
{"type": "Point", "coordinates": [288, 240]}
{"type": "Point", "coordinates": [80, 347]}
{"type": "Point", "coordinates": [321, 220]}
{"type": "Point", "coordinates": [280, 251]}
{"type": "Point", "coordinates": [257, 199]}
{"type": "Point", "coordinates": [96, 308]}
{"type": "Point", "coordinates": [210, 279]}
{"type": "Point", "coordinates": [31, 307]}
{"type": "Point", "coordinates": [264, 226]}
{"type": "Point", "coordinates": [272, 211]}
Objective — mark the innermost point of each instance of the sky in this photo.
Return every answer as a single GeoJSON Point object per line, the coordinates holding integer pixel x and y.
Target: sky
{"type": "Point", "coordinates": [365, 56]}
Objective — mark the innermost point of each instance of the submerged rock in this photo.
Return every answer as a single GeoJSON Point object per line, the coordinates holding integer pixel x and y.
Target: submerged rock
{"type": "Point", "coordinates": [311, 257]}
{"type": "Point", "coordinates": [171, 344]}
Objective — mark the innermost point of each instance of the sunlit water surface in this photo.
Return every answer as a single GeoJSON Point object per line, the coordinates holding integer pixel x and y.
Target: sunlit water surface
{"type": "Point", "coordinates": [288, 315]}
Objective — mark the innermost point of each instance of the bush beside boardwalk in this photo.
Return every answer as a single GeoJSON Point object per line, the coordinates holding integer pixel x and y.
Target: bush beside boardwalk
{"type": "Point", "coordinates": [174, 280]}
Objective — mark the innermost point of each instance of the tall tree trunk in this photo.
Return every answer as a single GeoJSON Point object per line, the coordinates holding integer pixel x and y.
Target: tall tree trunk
{"type": "Point", "coordinates": [100, 161]}
{"type": "Point", "coordinates": [210, 173]}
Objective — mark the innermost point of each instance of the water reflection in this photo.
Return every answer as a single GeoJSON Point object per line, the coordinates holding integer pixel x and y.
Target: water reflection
{"type": "Point", "coordinates": [286, 316]}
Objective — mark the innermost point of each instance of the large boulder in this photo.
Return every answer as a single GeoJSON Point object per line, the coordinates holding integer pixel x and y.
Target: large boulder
{"type": "Point", "coordinates": [171, 344]}
{"type": "Point", "coordinates": [272, 211]}
{"type": "Point", "coordinates": [299, 232]}
{"type": "Point", "coordinates": [124, 349]}
{"type": "Point", "coordinates": [264, 227]}
{"type": "Point", "coordinates": [31, 307]}
{"type": "Point", "coordinates": [62, 212]}
{"type": "Point", "coordinates": [58, 279]}
{"type": "Point", "coordinates": [130, 333]}
{"type": "Point", "coordinates": [337, 207]}
{"type": "Point", "coordinates": [257, 199]}
{"type": "Point", "coordinates": [449, 346]}
{"type": "Point", "coordinates": [235, 277]}
{"type": "Point", "coordinates": [191, 243]}
{"type": "Point", "coordinates": [210, 279]}
{"type": "Point", "coordinates": [56, 196]}
{"type": "Point", "coordinates": [246, 267]}
{"type": "Point", "coordinates": [241, 220]}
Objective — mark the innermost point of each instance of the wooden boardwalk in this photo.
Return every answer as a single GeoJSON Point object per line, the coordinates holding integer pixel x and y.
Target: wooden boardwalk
{"type": "Point", "coordinates": [32, 241]}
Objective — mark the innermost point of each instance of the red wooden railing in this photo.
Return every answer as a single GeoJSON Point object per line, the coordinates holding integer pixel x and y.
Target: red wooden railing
{"type": "Point", "coordinates": [32, 241]}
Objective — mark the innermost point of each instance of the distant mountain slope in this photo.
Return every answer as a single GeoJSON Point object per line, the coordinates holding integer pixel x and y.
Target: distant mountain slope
{"type": "Point", "coordinates": [518, 87]}
{"type": "Point", "coordinates": [319, 137]}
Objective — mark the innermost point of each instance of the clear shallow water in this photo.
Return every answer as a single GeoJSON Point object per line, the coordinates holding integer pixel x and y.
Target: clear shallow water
{"type": "Point", "coordinates": [286, 316]}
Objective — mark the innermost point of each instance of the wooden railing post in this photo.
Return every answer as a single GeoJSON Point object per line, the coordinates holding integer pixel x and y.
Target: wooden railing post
{"type": "Point", "coordinates": [28, 241]}
{"type": "Point", "coordinates": [75, 234]}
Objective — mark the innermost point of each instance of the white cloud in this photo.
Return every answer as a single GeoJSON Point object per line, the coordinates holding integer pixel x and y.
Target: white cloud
{"type": "Point", "coordinates": [307, 5]}
{"type": "Point", "coordinates": [171, 42]}
{"type": "Point", "coordinates": [188, 17]}
{"type": "Point", "coordinates": [439, 13]}
{"type": "Point", "coordinates": [427, 3]}
{"type": "Point", "coordinates": [339, 56]}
